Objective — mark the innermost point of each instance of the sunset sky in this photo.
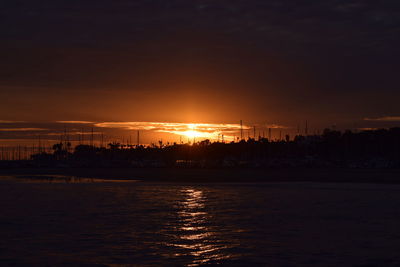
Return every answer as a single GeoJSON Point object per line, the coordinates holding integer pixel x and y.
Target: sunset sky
{"type": "Point", "coordinates": [274, 64]}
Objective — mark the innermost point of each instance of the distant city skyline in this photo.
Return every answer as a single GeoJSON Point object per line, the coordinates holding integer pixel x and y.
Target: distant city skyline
{"type": "Point", "coordinates": [25, 133]}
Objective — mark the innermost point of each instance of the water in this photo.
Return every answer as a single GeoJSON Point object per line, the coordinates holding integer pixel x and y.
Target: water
{"type": "Point", "coordinates": [67, 221]}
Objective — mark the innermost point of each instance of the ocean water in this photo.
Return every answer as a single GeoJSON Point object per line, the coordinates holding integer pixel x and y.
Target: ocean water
{"type": "Point", "coordinates": [65, 221]}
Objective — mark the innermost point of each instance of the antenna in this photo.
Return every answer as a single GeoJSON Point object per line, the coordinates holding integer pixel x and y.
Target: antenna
{"type": "Point", "coordinates": [138, 138]}
{"type": "Point", "coordinates": [92, 138]}
{"type": "Point", "coordinates": [65, 136]}
{"type": "Point", "coordinates": [254, 127]}
{"type": "Point", "coordinates": [306, 132]}
{"type": "Point", "coordinates": [241, 130]}
{"type": "Point", "coordinates": [66, 139]}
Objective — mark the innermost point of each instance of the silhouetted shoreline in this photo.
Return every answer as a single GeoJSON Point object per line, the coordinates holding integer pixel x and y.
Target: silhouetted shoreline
{"type": "Point", "coordinates": [195, 175]}
{"type": "Point", "coordinates": [377, 149]}
{"type": "Point", "coordinates": [367, 156]}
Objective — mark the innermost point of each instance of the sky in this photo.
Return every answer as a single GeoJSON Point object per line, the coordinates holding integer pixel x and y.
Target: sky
{"type": "Point", "coordinates": [332, 62]}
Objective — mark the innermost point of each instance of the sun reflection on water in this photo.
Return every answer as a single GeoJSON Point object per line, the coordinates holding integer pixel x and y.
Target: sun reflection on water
{"type": "Point", "coordinates": [195, 235]}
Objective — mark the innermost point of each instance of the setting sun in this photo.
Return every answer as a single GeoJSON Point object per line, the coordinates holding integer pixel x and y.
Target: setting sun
{"type": "Point", "coordinates": [200, 131]}
{"type": "Point", "coordinates": [194, 134]}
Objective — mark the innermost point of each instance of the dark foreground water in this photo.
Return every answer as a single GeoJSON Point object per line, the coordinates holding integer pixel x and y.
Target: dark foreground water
{"type": "Point", "coordinates": [90, 222]}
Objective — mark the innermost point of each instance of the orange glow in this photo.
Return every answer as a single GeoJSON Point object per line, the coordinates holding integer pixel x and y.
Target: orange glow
{"type": "Point", "coordinates": [194, 134]}
{"type": "Point", "coordinates": [211, 131]}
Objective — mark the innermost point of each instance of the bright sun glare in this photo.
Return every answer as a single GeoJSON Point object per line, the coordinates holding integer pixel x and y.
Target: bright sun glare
{"type": "Point", "coordinates": [192, 134]}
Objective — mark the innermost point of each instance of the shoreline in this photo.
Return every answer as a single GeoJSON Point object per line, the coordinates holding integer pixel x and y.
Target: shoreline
{"type": "Point", "coordinates": [391, 176]}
